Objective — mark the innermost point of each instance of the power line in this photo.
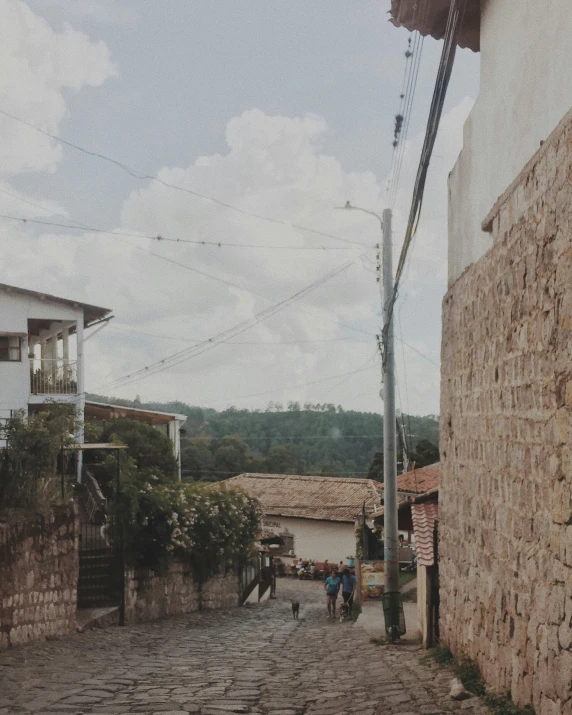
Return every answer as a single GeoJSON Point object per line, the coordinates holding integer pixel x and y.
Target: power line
{"type": "Point", "coordinates": [160, 238]}
{"type": "Point", "coordinates": [187, 267]}
{"type": "Point", "coordinates": [242, 342]}
{"type": "Point", "coordinates": [406, 113]}
{"type": "Point", "coordinates": [272, 342]}
{"type": "Point", "coordinates": [303, 384]}
{"type": "Point", "coordinates": [454, 24]}
{"type": "Point", "coordinates": [188, 353]}
{"type": "Point", "coordinates": [144, 177]}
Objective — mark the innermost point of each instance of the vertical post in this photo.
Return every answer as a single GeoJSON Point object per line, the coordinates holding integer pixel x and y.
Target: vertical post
{"type": "Point", "coordinates": [391, 541]}
{"type": "Point", "coordinates": [80, 400]}
{"type": "Point", "coordinates": [120, 539]}
{"type": "Point", "coordinates": [63, 471]}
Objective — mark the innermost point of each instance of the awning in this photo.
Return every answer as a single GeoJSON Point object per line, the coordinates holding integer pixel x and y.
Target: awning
{"type": "Point", "coordinates": [425, 517]}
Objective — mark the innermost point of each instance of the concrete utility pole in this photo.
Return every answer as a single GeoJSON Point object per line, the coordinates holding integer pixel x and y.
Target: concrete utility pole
{"type": "Point", "coordinates": [391, 539]}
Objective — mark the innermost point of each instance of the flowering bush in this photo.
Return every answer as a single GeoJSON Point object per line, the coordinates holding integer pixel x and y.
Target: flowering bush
{"type": "Point", "coordinates": [211, 529]}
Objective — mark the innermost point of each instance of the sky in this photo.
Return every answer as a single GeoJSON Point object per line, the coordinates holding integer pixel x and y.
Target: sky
{"type": "Point", "coordinates": [282, 110]}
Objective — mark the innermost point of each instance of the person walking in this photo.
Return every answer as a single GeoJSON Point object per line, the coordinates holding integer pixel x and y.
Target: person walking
{"type": "Point", "coordinates": [348, 588]}
{"type": "Point", "coordinates": [332, 587]}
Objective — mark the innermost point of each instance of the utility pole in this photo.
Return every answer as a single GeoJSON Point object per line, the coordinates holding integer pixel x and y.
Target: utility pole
{"type": "Point", "coordinates": [392, 598]}
{"type": "Point", "coordinates": [391, 540]}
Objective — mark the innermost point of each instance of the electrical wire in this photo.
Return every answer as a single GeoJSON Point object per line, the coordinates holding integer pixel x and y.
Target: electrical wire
{"type": "Point", "coordinates": [247, 342]}
{"type": "Point", "coordinates": [186, 266]}
{"type": "Point", "coordinates": [407, 113]}
{"type": "Point", "coordinates": [144, 177]}
{"type": "Point", "coordinates": [351, 373]}
{"type": "Point", "coordinates": [454, 24]}
{"type": "Point", "coordinates": [188, 353]}
{"type": "Point", "coordinates": [160, 238]}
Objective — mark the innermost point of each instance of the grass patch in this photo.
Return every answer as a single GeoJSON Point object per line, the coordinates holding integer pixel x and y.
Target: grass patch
{"type": "Point", "coordinates": [503, 705]}
{"type": "Point", "coordinates": [439, 655]}
{"type": "Point", "coordinates": [378, 641]}
{"type": "Point", "coordinates": [469, 674]}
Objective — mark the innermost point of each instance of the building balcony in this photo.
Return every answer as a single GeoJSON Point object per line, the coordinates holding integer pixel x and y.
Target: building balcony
{"type": "Point", "coordinates": [53, 376]}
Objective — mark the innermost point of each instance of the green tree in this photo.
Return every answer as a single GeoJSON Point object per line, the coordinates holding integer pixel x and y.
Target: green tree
{"type": "Point", "coordinates": [425, 453]}
{"type": "Point", "coordinates": [375, 470]}
{"type": "Point", "coordinates": [147, 445]}
{"type": "Point", "coordinates": [285, 459]}
{"type": "Point", "coordinates": [29, 463]}
{"type": "Point", "coordinates": [198, 459]}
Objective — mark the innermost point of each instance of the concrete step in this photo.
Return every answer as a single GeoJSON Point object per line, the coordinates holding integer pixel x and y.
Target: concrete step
{"type": "Point", "coordinates": [88, 618]}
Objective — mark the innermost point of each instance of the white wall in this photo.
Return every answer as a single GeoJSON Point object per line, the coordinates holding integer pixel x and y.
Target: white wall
{"type": "Point", "coordinates": [15, 310]}
{"type": "Point", "coordinates": [526, 89]}
{"type": "Point", "coordinates": [317, 540]}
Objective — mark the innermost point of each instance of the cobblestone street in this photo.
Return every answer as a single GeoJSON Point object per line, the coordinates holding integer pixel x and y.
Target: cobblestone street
{"type": "Point", "coordinates": [248, 660]}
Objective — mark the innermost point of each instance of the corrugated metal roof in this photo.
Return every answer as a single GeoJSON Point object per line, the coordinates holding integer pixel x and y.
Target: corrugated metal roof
{"type": "Point", "coordinates": [429, 17]}
{"type": "Point", "coordinates": [419, 480]}
{"type": "Point", "coordinates": [309, 497]}
{"type": "Point", "coordinates": [424, 518]}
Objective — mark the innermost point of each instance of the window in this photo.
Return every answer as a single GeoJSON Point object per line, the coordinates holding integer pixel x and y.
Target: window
{"type": "Point", "coordinates": [10, 349]}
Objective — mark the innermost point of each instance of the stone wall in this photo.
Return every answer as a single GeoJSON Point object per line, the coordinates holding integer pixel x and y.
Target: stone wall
{"type": "Point", "coordinates": [38, 577]}
{"type": "Point", "coordinates": [506, 442]}
{"type": "Point", "coordinates": [149, 596]}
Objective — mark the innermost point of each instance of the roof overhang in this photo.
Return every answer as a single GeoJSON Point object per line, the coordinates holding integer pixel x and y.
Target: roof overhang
{"type": "Point", "coordinates": [429, 17]}
{"type": "Point", "coordinates": [91, 313]}
{"type": "Point", "coordinates": [104, 411]}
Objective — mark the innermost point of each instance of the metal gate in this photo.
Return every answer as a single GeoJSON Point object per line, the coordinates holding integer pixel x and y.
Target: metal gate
{"type": "Point", "coordinates": [100, 581]}
{"type": "Point", "coordinates": [101, 568]}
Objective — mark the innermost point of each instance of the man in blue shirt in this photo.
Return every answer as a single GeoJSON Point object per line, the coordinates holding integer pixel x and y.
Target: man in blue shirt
{"type": "Point", "coordinates": [332, 586]}
{"type": "Point", "coordinates": [348, 588]}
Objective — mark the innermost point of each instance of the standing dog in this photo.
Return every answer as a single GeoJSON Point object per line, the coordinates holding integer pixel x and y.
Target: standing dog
{"type": "Point", "coordinates": [295, 609]}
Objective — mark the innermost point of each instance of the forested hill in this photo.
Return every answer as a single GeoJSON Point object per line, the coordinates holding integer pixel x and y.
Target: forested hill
{"type": "Point", "coordinates": [314, 439]}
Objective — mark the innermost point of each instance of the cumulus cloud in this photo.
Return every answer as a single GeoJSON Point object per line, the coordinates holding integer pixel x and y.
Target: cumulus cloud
{"type": "Point", "coordinates": [37, 65]}
{"type": "Point", "coordinates": [168, 296]}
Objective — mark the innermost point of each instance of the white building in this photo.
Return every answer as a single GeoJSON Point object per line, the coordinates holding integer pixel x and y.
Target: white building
{"type": "Point", "coordinates": [525, 91]}
{"type": "Point", "coordinates": [42, 350]}
{"type": "Point", "coordinates": [315, 516]}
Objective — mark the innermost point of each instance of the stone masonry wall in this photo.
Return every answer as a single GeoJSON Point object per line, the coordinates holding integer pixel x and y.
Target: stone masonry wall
{"type": "Point", "coordinates": [149, 596]}
{"type": "Point", "coordinates": [38, 577]}
{"type": "Point", "coordinates": [506, 442]}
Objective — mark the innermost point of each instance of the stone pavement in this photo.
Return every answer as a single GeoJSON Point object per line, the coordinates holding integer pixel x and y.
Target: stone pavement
{"type": "Point", "coordinates": [249, 660]}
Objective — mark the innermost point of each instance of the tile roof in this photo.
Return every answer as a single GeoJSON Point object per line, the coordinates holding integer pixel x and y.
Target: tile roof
{"type": "Point", "coordinates": [424, 517]}
{"type": "Point", "coordinates": [419, 480]}
{"type": "Point", "coordinates": [308, 497]}
{"type": "Point", "coordinates": [429, 17]}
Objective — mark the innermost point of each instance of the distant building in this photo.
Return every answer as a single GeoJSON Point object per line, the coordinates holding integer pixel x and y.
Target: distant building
{"type": "Point", "coordinates": [314, 516]}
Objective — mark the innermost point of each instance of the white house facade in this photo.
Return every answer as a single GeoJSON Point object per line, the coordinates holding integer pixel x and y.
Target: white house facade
{"type": "Point", "coordinates": [315, 516]}
{"type": "Point", "coordinates": [522, 99]}
{"type": "Point", "coordinates": [42, 350]}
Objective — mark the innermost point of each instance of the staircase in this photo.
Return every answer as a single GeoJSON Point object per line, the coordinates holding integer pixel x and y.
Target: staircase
{"type": "Point", "coordinates": [100, 579]}
{"type": "Point", "coordinates": [99, 583]}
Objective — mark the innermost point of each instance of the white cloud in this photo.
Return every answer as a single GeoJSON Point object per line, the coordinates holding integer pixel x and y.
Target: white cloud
{"type": "Point", "coordinates": [275, 167]}
{"type": "Point", "coordinates": [36, 65]}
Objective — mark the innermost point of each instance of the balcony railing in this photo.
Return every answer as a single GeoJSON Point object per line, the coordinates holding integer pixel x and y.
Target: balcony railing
{"type": "Point", "coordinates": [53, 377]}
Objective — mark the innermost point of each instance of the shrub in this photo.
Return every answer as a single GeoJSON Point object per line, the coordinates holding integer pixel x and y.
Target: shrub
{"type": "Point", "coordinates": [212, 530]}
{"type": "Point", "coordinates": [29, 463]}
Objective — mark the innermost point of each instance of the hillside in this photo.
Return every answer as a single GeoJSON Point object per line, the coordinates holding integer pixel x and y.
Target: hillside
{"type": "Point", "coordinates": [314, 439]}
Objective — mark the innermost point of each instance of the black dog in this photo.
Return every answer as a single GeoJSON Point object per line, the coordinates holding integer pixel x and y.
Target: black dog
{"type": "Point", "coordinates": [295, 609]}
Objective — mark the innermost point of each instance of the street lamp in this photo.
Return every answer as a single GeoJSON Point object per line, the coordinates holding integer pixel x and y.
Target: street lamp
{"type": "Point", "coordinates": [391, 540]}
